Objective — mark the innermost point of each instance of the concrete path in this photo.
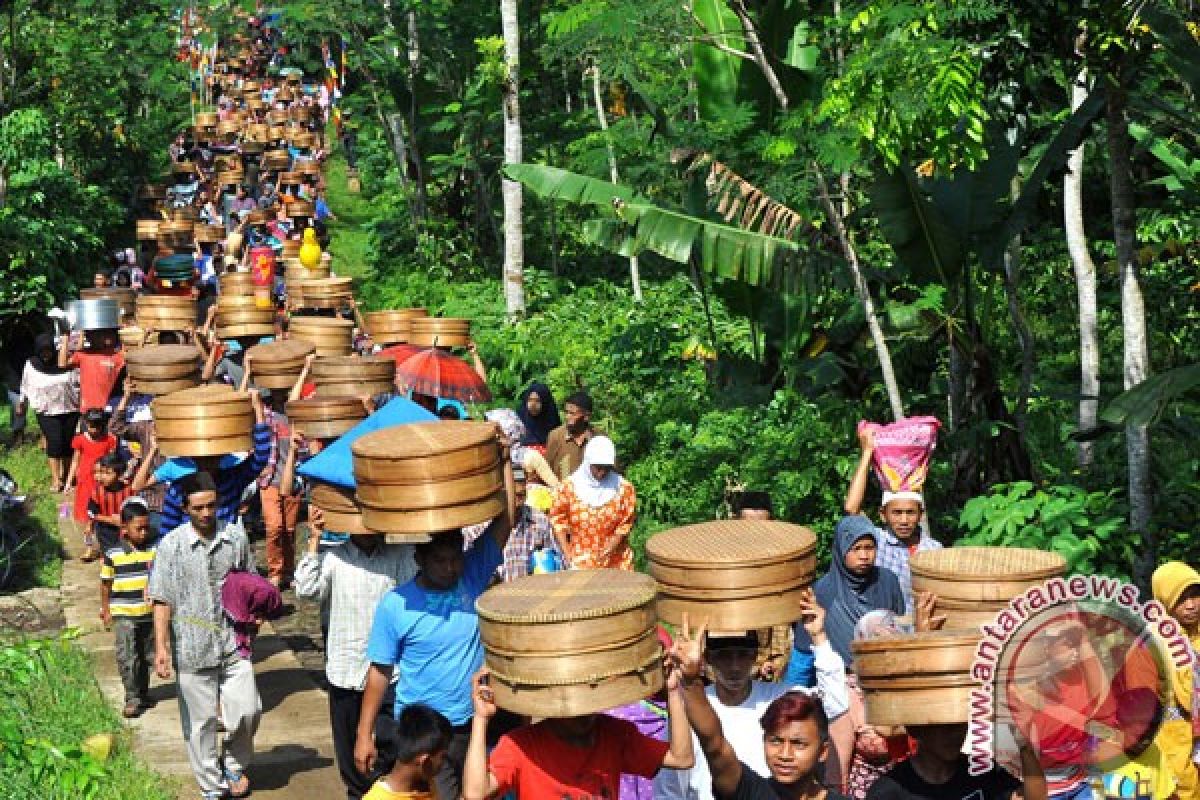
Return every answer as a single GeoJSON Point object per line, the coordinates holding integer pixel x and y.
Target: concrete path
{"type": "Point", "coordinates": [293, 749]}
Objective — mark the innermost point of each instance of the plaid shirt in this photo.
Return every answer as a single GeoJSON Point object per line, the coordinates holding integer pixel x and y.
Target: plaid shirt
{"type": "Point", "coordinates": [893, 554]}
{"type": "Point", "coordinates": [281, 443]}
{"type": "Point", "coordinates": [533, 530]}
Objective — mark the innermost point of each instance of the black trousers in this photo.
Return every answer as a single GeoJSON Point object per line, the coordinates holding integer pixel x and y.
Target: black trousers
{"type": "Point", "coordinates": [344, 707]}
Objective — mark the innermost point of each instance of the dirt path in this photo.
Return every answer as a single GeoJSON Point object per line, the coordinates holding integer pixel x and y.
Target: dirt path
{"type": "Point", "coordinates": [293, 750]}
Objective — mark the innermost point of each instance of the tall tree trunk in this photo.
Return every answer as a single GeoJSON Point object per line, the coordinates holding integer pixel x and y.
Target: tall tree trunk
{"type": "Point", "coordinates": [864, 296]}
{"type": "Point", "coordinates": [613, 174]}
{"type": "Point", "coordinates": [1133, 326]}
{"type": "Point", "coordinates": [421, 212]}
{"type": "Point", "coordinates": [1085, 285]}
{"type": "Point", "coordinates": [514, 245]}
{"type": "Point", "coordinates": [1012, 284]}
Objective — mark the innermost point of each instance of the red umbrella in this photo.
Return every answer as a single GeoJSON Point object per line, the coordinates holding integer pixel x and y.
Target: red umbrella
{"type": "Point", "coordinates": [436, 373]}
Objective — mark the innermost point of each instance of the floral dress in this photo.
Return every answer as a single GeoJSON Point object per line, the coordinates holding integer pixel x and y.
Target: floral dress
{"type": "Point", "coordinates": [597, 536]}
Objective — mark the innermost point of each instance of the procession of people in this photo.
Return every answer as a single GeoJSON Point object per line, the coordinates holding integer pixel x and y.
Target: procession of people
{"type": "Point", "coordinates": [781, 709]}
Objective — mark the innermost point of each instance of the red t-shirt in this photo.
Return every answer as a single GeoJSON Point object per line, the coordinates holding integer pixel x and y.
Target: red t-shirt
{"type": "Point", "coordinates": [98, 373]}
{"type": "Point", "coordinates": [537, 765]}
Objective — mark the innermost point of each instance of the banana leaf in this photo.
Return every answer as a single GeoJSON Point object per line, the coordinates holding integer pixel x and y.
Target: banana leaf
{"type": "Point", "coordinates": [1146, 402]}
{"type": "Point", "coordinates": [633, 224]}
{"type": "Point", "coordinates": [717, 74]}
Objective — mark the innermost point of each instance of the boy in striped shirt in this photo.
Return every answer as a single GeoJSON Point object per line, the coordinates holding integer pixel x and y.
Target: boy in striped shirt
{"type": "Point", "coordinates": [123, 604]}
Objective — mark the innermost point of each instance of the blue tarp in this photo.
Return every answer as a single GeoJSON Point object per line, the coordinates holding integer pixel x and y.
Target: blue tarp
{"type": "Point", "coordinates": [335, 464]}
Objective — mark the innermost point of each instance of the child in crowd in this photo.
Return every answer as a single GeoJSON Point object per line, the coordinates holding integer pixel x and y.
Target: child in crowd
{"type": "Point", "coordinates": [123, 604]}
{"type": "Point", "coordinates": [90, 446]}
{"type": "Point", "coordinates": [99, 362]}
{"type": "Point", "coordinates": [411, 750]}
{"type": "Point", "coordinates": [108, 495]}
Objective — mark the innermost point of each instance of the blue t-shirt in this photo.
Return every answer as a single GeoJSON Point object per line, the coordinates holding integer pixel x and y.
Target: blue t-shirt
{"type": "Point", "coordinates": [433, 637]}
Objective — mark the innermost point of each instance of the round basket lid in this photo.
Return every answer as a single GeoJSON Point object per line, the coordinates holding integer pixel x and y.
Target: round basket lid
{"type": "Point", "coordinates": [203, 395]}
{"type": "Point", "coordinates": [155, 355]}
{"type": "Point", "coordinates": [930, 640]}
{"type": "Point", "coordinates": [326, 408]}
{"type": "Point", "coordinates": [421, 439]}
{"type": "Point", "coordinates": [282, 350]}
{"type": "Point", "coordinates": [566, 596]}
{"type": "Point", "coordinates": [731, 543]}
{"type": "Point", "coordinates": [987, 563]}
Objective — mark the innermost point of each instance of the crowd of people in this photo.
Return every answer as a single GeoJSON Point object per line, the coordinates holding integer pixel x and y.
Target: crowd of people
{"type": "Point", "coordinates": [771, 713]}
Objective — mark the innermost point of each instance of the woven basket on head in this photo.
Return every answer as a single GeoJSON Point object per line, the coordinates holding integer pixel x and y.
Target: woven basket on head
{"type": "Point", "coordinates": [974, 584]}
{"type": "Point", "coordinates": [353, 376]}
{"type": "Point", "coordinates": [164, 368]}
{"type": "Point", "coordinates": [331, 337]}
{"type": "Point", "coordinates": [917, 679]}
{"type": "Point", "coordinates": [428, 477]}
{"type": "Point", "coordinates": [237, 283]}
{"type": "Point", "coordinates": [393, 326]}
{"type": "Point", "coordinates": [325, 417]}
{"type": "Point", "coordinates": [571, 643]}
{"type": "Point", "coordinates": [233, 323]}
{"type": "Point", "coordinates": [440, 331]}
{"type": "Point", "coordinates": [204, 421]}
{"type": "Point", "coordinates": [163, 312]}
{"type": "Point", "coordinates": [737, 574]}
{"type": "Point", "coordinates": [278, 364]}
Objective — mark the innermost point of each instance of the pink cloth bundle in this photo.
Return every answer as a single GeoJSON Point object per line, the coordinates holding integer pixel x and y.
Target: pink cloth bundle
{"type": "Point", "coordinates": [902, 451]}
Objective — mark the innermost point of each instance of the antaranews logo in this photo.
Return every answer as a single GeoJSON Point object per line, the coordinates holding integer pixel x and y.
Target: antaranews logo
{"type": "Point", "coordinates": [1080, 669]}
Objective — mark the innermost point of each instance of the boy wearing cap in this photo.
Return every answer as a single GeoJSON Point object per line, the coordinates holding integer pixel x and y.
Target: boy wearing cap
{"type": "Point", "coordinates": [902, 533]}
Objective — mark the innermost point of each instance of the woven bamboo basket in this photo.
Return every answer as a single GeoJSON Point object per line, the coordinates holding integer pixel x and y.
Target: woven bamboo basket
{"type": "Point", "coordinates": [342, 514]}
{"type": "Point", "coordinates": [147, 230]}
{"type": "Point", "coordinates": [440, 332]}
{"type": "Point", "coordinates": [275, 159]}
{"type": "Point", "coordinates": [300, 208]}
{"type": "Point", "coordinates": [289, 180]}
{"type": "Point", "coordinates": [236, 302]}
{"type": "Point", "coordinates": [228, 126]}
{"type": "Point", "coordinates": [204, 421]}
{"type": "Point", "coordinates": [278, 117]}
{"type": "Point", "coordinates": [309, 167]}
{"type": "Point", "coordinates": [302, 113]}
{"type": "Point", "coordinates": [254, 102]}
{"type": "Point", "coordinates": [325, 292]}
{"type": "Point", "coordinates": [291, 249]}
{"type": "Point", "coordinates": [233, 177]}
{"type": "Point", "coordinates": [253, 147]}
{"type": "Point", "coordinates": [132, 338]}
{"type": "Point", "coordinates": [571, 643]}
{"type": "Point", "coordinates": [251, 86]}
{"type": "Point", "coordinates": [209, 234]}
{"type": "Point", "coordinates": [257, 217]}
{"type": "Point", "coordinates": [295, 272]}
{"type": "Point", "coordinates": [207, 119]}
{"type": "Point", "coordinates": [353, 376]}
{"type": "Point", "coordinates": [176, 233]}
{"type": "Point", "coordinates": [917, 679]}
{"type": "Point", "coordinates": [325, 417]}
{"type": "Point", "coordinates": [974, 584]}
{"type": "Point", "coordinates": [304, 140]}
{"type": "Point", "coordinates": [126, 299]}
{"type": "Point", "coordinates": [235, 322]}
{"type": "Point", "coordinates": [413, 478]}
{"type": "Point", "coordinates": [393, 326]}
{"type": "Point", "coordinates": [183, 168]}
{"type": "Point", "coordinates": [164, 368]}
{"type": "Point", "coordinates": [278, 364]}
{"type": "Point", "coordinates": [332, 337]}
{"type": "Point", "coordinates": [739, 574]}
{"type": "Point", "coordinates": [237, 283]}
{"type": "Point", "coordinates": [278, 133]}
{"type": "Point", "coordinates": [162, 312]}
{"type": "Point", "coordinates": [184, 214]}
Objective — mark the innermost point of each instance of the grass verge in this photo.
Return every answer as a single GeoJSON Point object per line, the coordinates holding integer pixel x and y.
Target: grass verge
{"type": "Point", "coordinates": [39, 556]}
{"type": "Point", "coordinates": [350, 241]}
{"type": "Point", "coordinates": [55, 726]}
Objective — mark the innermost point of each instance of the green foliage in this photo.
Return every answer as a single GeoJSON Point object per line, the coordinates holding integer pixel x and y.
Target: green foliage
{"type": "Point", "coordinates": [1086, 528]}
{"type": "Point", "coordinates": [37, 560]}
{"type": "Point", "coordinates": [52, 704]}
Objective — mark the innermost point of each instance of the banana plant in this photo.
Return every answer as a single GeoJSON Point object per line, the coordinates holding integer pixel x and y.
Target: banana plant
{"type": "Point", "coordinates": [629, 224]}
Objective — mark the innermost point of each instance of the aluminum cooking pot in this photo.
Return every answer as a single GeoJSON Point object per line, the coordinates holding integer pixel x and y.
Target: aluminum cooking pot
{"type": "Point", "coordinates": [94, 314]}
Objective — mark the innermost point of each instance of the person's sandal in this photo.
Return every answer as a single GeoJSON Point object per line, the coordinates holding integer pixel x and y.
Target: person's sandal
{"type": "Point", "coordinates": [239, 784]}
{"type": "Point", "coordinates": [132, 710]}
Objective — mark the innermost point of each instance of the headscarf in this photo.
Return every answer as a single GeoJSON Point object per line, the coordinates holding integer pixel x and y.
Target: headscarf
{"type": "Point", "coordinates": [246, 598]}
{"type": "Point", "coordinates": [514, 429]}
{"type": "Point", "coordinates": [600, 451]}
{"type": "Point", "coordinates": [537, 429]}
{"type": "Point", "coordinates": [847, 597]}
{"type": "Point", "coordinates": [1168, 583]}
{"type": "Point", "coordinates": [42, 343]}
